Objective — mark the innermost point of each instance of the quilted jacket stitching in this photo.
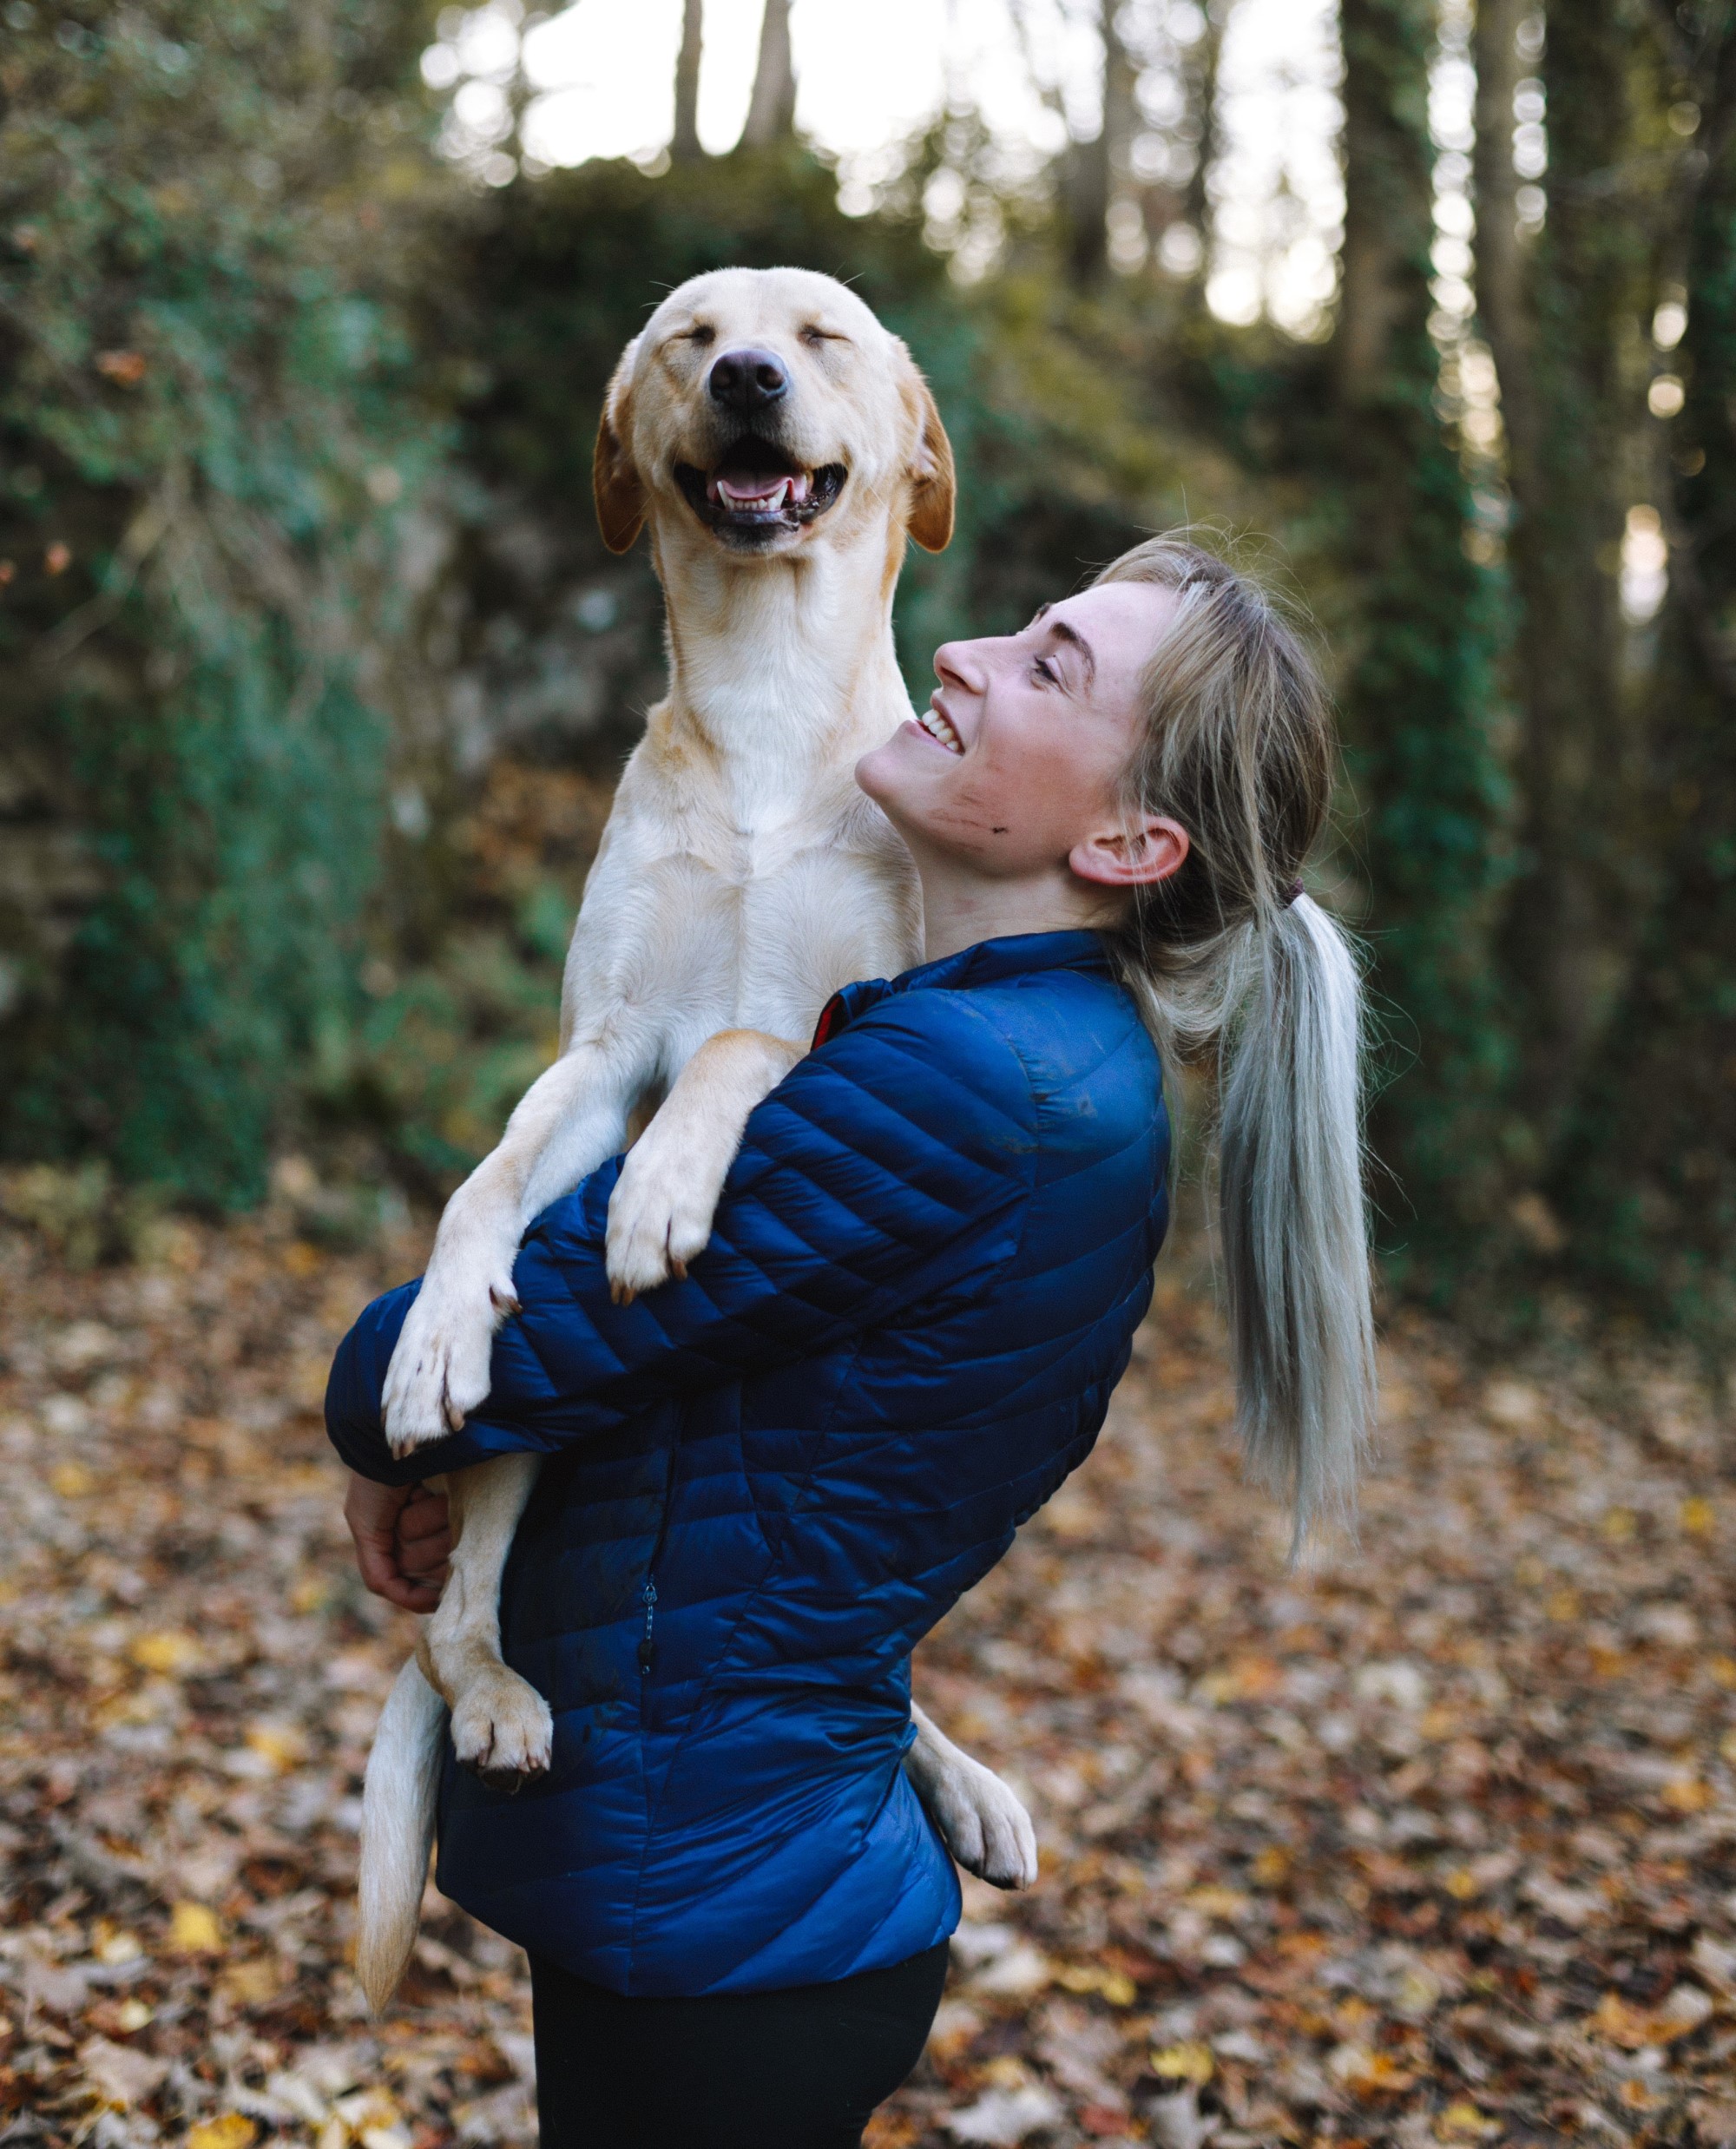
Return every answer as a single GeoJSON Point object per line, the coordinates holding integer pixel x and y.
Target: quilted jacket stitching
{"type": "Point", "coordinates": [752, 1599]}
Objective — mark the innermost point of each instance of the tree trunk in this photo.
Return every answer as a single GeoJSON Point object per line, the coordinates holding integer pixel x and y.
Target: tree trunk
{"type": "Point", "coordinates": [1416, 698]}
{"type": "Point", "coordinates": [685, 147]}
{"type": "Point", "coordinates": [1570, 414]}
{"type": "Point", "coordinates": [1648, 1177]}
{"type": "Point", "coordinates": [1389, 218]}
{"type": "Point", "coordinates": [1502, 300]}
{"type": "Point", "coordinates": [1202, 85]}
{"type": "Point", "coordinates": [772, 111]}
{"type": "Point", "coordinates": [1092, 165]}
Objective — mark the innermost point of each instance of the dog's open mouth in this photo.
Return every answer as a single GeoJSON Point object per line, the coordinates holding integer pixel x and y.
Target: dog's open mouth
{"type": "Point", "coordinates": [756, 490]}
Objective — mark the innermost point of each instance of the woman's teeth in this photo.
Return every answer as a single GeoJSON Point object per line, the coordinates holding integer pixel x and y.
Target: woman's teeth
{"type": "Point", "coordinates": [936, 726]}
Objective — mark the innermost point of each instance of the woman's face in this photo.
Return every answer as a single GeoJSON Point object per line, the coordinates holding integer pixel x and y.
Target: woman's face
{"type": "Point", "coordinates": [1015, 767]}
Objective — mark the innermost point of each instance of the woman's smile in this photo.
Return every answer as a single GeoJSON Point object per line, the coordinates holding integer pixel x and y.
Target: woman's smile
{"type": "Point", "coordinates": [940, 726]}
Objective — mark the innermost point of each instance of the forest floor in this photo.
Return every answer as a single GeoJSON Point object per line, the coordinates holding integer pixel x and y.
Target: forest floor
{"type": "Point", "coordinates": [1435, 1844]}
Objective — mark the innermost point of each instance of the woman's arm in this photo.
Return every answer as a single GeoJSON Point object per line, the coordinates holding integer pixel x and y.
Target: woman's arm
{"type": "Point", "coordinates": [890, 1165]}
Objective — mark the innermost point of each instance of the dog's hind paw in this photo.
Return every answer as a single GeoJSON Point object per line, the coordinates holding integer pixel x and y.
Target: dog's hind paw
{"type": "Point", "coordinates": [985, 1827]}
{"type": "Point", "coordinates": [982, 1823]}
{"type": "Point", "coordinates": [503, 1730]}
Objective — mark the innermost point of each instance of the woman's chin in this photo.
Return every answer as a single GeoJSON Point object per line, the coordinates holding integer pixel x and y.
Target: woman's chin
{"type": "Point", "coordinates": [909, 778]}
{"type": "Point", "coordinates": [878, 771]}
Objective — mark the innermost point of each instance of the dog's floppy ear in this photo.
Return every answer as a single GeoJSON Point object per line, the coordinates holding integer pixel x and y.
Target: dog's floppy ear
{"type": "Point", "coordinates": [933, 486]}
{"type": "Point", "coordinates": [615, 481]}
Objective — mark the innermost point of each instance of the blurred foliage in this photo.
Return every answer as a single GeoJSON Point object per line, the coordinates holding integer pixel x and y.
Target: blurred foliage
{"type": "Point", "coordinates": [452, 1033]}
{"type": "Point", "coordinates": [207, 432]}
{"type": "Point", "coordinates": [315, 673]}
{"type": "Point", "coordinates": [1648, 1174]}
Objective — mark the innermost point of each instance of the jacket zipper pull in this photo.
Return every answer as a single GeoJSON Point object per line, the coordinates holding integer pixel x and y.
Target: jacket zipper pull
{"type": "Point", "coordinates": [649, 1595]}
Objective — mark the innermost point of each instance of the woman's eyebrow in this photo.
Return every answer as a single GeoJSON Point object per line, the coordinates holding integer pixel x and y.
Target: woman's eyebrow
{"type": "Point", "coordinates": [1065, 632]}
{"type": "Point", "coordinates": [1062, 632]}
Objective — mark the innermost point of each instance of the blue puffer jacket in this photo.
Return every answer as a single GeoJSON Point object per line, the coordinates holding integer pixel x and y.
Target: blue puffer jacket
{"type": "Point", "coordinates": [770, 1481]}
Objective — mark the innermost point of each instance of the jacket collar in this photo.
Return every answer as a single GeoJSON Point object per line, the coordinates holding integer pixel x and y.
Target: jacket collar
{"type": "Point", "coordinates": [1019, 954]}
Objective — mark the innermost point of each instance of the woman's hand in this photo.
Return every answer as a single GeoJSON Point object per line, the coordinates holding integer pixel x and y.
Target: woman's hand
{"type": "Point", "coordinates": [403, 1541]}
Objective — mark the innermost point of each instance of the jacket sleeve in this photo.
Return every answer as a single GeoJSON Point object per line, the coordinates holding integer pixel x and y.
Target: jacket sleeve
{"type": "Point", "coordinates": [892, 1164]}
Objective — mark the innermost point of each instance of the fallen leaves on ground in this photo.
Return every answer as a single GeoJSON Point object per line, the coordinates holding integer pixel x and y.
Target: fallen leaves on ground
{"type": "Point", "coordinates": [1433, 1843]}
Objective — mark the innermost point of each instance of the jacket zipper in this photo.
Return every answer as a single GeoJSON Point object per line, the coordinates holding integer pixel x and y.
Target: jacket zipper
{"type": "Point", "coordinates": [648, 1598]}
{"type": "Point", "coordinates": [647, 1595]}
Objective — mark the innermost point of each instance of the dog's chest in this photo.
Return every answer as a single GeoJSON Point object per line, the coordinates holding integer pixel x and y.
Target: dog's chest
{"type": "Point", "coordinates": [800, 920]}
{"type": "Point", "coordinates": [738, 934]}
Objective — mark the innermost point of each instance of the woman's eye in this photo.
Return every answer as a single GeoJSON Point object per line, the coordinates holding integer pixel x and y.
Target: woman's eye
{"type": "Point", "coordinates": [1046, 672]}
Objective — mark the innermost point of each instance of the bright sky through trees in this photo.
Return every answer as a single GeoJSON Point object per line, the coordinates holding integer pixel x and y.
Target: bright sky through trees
{"type": "Point", "coordinates": [601, 79]}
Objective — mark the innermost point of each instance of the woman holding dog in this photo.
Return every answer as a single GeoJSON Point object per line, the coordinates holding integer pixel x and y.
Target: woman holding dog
{"type": "Point", "coordinates": [771, 1478]}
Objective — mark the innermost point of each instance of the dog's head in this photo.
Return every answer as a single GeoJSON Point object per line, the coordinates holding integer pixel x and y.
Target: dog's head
{"type": "Point", "coordinates": [765, 408]}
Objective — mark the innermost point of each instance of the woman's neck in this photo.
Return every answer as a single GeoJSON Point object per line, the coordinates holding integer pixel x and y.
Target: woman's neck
{"type": "Point", "coordinates": [960, 908]}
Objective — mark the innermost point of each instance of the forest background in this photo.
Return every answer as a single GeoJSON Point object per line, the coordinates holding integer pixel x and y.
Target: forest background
{"type": "Point", "coordinates": [315, 677]}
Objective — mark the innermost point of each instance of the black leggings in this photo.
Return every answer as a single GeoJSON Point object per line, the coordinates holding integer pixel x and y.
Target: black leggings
{"type": "Point", "coordinates": [797, 2069]}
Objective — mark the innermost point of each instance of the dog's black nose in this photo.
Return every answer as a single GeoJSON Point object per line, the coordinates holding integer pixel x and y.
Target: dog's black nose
{"type": "Point", "coordinates": [748, 380]}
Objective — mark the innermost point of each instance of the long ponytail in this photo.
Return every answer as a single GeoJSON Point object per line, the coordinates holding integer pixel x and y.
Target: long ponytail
{"type": "Point", "coordinates": [1295, 1241]}
{"type": "Point", "coordinates": [1232, 961]}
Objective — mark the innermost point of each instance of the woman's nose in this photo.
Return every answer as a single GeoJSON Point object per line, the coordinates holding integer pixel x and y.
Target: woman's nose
{"type": "Point", "coordinates": [960, 663]}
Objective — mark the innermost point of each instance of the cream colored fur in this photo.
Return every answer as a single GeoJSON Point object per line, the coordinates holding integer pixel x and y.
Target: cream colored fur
{"type": "Point", "coordinates": [742, 878]}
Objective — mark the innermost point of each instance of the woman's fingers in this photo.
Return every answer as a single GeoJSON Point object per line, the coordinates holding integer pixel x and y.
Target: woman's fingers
{"type": "Point", "coordinates": [374, 1513]}
{"type": "Point", "coordinates": [424, 1536]}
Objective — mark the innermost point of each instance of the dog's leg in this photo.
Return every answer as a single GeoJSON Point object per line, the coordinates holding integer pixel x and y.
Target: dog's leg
{"type": "Point", "coordinates": [501, 1725]}
{"type": "Point", "coordinates": [571, 1118]}
{"type": "Point", "coordinates": [981, 1822]}
{"type": "Point", "coordinates": [660, 1215]}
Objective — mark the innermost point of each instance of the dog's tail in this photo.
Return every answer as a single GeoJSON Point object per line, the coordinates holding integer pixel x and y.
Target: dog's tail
{"type": "Point", "coordinates": [397, 1828]}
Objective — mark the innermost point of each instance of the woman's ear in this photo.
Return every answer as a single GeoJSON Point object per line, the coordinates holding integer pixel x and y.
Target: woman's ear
{"type": "Point", "coordinates": [933, 485]}
{"type": "Point", "coordinates": [1148, 849]}
{"type": "Point", "coordinates": [615, 482]}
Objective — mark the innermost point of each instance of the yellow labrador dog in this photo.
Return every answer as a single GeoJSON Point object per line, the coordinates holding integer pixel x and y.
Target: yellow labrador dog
{"type": "Point", "coordinates": [780, 446]}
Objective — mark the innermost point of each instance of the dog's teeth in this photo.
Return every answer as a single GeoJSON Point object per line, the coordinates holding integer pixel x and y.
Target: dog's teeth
{"type": "Point", "coordinates": [711, 493]}
{"type": "Point", "coordinates": [801, 487]}
{"type": "Point", "coordinates": [759, 499]}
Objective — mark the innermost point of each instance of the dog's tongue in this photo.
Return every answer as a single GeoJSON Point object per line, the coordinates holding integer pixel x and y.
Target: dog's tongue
{"type": "Point", "coordinates": [765, 490]}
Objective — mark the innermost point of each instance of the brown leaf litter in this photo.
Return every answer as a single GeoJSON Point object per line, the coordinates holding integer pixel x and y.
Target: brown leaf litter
{"type": "Point", "coordinates": [1434, 1843]}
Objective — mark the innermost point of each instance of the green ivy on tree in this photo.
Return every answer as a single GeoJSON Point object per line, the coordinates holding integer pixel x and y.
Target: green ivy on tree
{"type": "Point", "coordinates": [206, 436]}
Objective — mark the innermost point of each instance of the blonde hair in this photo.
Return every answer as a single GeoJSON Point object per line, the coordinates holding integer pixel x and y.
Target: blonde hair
{"type": "Point", "coordinates": [1228, 959]}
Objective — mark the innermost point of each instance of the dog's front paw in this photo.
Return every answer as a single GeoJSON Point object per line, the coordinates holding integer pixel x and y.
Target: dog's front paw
{"type": "Point", "coordinates": [439, 1372]}
{"type": "Point", "coordinates": [982, 1823]}
{"type": "Point", "coordinates": [660, 1218]}
{"type": "Point", "coordinates": [502, 1729]}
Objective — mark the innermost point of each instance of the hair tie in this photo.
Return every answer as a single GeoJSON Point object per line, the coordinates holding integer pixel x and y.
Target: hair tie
{"type": "Point", "coordinates": [1291, 893]}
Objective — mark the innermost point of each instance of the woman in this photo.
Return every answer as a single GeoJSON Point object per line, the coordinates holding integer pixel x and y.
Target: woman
{"type": "Point", "coordinates": [771, 1479]}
